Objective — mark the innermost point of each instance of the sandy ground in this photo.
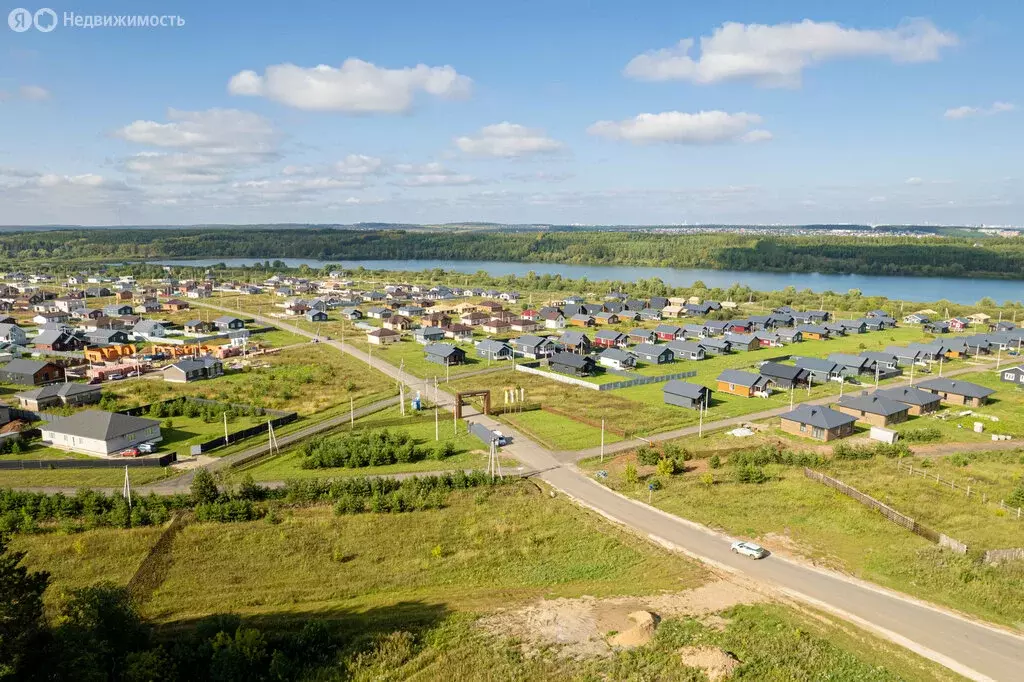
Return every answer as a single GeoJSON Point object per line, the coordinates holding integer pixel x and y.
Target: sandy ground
{"type": "Point", "coordinates": [581, 627]}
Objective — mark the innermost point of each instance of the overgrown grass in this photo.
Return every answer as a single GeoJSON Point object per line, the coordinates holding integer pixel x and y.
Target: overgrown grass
{"type": "Point", "coordinates": [790, 513]}
{"type": "Point", "coordinates": [84, 478]}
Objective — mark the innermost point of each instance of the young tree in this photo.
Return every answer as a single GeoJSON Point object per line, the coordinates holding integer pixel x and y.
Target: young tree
{"type": "Point", "coordinates": [21, 612]}
{"type": "Point", "coordinates": [204, 487]}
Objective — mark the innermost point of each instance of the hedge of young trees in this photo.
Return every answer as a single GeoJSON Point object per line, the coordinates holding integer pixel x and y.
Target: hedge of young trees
{"type": "Point", "coordinates": [368, 448]}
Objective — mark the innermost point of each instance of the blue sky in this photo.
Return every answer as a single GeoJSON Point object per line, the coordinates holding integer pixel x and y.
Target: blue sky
{"type": "Point", "coordinates": [547, 112]}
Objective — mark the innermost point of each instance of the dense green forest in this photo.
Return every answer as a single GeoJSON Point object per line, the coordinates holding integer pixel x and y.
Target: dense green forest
{"type": "Point", "coordinates": [884, 255]}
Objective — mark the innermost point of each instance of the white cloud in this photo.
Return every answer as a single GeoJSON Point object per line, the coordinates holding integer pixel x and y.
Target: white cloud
{"type": "Point", "coordinates": [507, 140]}
{"type": "Point", "coordinates": [705, 127]}
{"type": "Point", "coordinates": [776, 55]}
{"type": "Point", "coordinates": [359, 164]}
{"type": "Point", "coordinates": [29, 93]}
{"type": "Point", "coordinates": [879, 199]}
{"type": "Point", "coordinates": [913, 181]}
{"type": "Point", "coordinates": [967, 112]}
{"type": "Point", "coordinates": [354, 87]}
{"type": "Point", "coordinates": [431, 175]}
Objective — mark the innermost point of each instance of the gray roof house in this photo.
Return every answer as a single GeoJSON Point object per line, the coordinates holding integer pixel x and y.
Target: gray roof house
{"type": "Point", "coordinates": [687, 350]}
{"type": "Point", "coordinates": [98, 433]}
{"type": "Point", "coordinates": [427, 335]}
{"type": "Point", "coordinates": [854, 364]}
{"type": "Point", "coordinates": [866, 406]}
{"type": "Point", "coordinates": [957, 392]}
{"type": "Point", "coordinates": [818, 422]}
{"type": "Point", "coordinates": [149, 329]}
{"type": "Point", "coordinates": [616, 358]}
{"type": "Point", "coordinates": [534, 347]}
{"type": "Point", "coordinates": [716, 346]}
{"type": "Point", "coordinates": [822, 370]}
{"type": "Point", "coordinates": [919, 401]}
{"type": "Point", "coordinates": [654, 353]}
{"type": "Point", "coordinates": [444, 354]}
{"type": "Point", "coordinates": [193, 369]}
{"type": "Point", "coordinates": [226, 322]}
{"type": "Point", "coordinates": [493, 350]}
{"type": "Point", "coordinates": [684, 394]}
{"type": "Point", "coordinates": [59, 394]}
{"type": "Point", "coordinates": [784, 376]}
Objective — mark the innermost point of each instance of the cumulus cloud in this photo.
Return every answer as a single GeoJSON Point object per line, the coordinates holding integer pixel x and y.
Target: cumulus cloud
{"type": "Point", "coordinates": [776, 55]}
{"type": "Point", "coordinates": [704, 127]}
{"type": "Point", "coordinates": [507, 140]}
{"type": "Point", "coordinates": [967, 112]}
{"type": "Point", "coordinates": [431, 175]}
{"type": "Point", "coordinates": [356, 86]}
{"type": "Point", "coordinates": [359, 164]}
{"type": "Point", "coordinates": [28, 93]}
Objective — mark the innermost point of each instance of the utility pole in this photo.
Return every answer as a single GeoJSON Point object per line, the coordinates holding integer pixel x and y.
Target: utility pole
{"type": "Point", "coordinates": [941, 358]}
{"type": "Point", "coordinates": [351, 411]}
{"type": "Point", "coordinates": [226, 440]}
{"type": "Point", "coordinates": [912, 364]}
{"type": "Point", "coordinates": [437, 427]}
{"type": "Point", "coordinates": [127, 491]}
{"type": "Point", "coordinates": [876, 375]}
{"type": "Point", "coordinates": [602, 441]}
{"type": "Point", "coordinates": [999, 356]}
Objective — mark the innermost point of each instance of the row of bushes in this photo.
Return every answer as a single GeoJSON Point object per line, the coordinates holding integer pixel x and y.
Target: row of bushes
{"type": "Point", "coordinates": [210, 412]}
{"type": "Point", "coordinates": [848, 451]}
{"type": "Point", "coordinates": [363, 449]}
{"type": "Point", "coordinates": [25, 512]}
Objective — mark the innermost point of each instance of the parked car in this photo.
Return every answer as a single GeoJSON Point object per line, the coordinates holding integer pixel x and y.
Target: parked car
{"type": "Point", "coordinates": [147, 447]}
{"type": "Point", "coordinates": [129, 452]}
{"type": "Point", "coordinates": [749, 549]}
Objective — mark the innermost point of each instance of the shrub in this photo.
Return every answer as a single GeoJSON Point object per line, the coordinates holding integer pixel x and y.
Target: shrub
{"type": "Point", "coordinates": [629, 475]}
{"type": "Point", "coordinates": [1016, 498]}
{"type": "Point", "coordinates": [715, 462]}
{"type": "Point", "coordinates": [647, 456]}
{"type": "Point", "coordinates": [708, 479]}
{"type": "Point", "coordinates": [204, 488]}
{"type": "Point", "coordinates": [960, 460]}
{"type": "Point", "coordinates": [667, 467]}
{"type": "Point", "coordinates": [654, 484]}
{"type": "Point", "coordinates": [927, 434]}
{"type": "Point", "coordinates": [751, 473]}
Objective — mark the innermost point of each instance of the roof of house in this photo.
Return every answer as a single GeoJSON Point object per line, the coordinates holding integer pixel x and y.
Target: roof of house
{"type": "Point", "coordinates": [191, 364]}
{"type": "Point", "coordinates": [195, 323]}
{"type": "Point", "coordinates": [640, 332]}
{"type": "Point", "coordinates": [571, 360]}
{"type": "Point", "coordinates": [848, 360]}
{"type": "Point", "coordinates": [964, 388]}
{"type": "Point", "coordinates": [226, 319]}
{"type": "Point", "coordinates": [443, 350]}
{"type": "Point", "coordinates": [816, 364]}
{"type": "Point", "coordinates": [781, 371]}
{"type": "Point", "coordinates": [65, 390]}
{"type": "Point", "coordinates": [609, 334]}
{"type": "Point", "coordinates": [383, 332]}
{"type": "Point", "coordinates": [49, 337]}
{"type": "Point", "coordinates": [616, 354]}
{"type": "Point", "coordinates": [909, 395]}
{"type": "Point", "coordinates": [873, 404]}
{"type": "Point", "coordinates": [574, 338]}
{"type": "Point", "coordinates": [19, 366]}
{"type": "Point", "coordinates": [667, 329]}
{"type": "Point", "coordinates": [493, 346]}
{"type": "Point", "coordinates": [99, 425]}
{"type": "Point", "coordinates": [530, 341]}
{"type": "Point", "coordinates": [878, 356]}
{"type": "Point", "coordinates": [722, 344]}
{"type": "Point", "coordinates": [735, 376]}
{"type": "Point", "coordinates": [685, 389]}
{"type": "Point", "coordinates": [681, 346]}
{"type": "Point", "coordinates": [146, 326]}
{"type": "Point", "coordinates": [429, 331]}
{"type": "Point", "coordinates": [740, 339]}
{"type": "Point", "coordinates": [819, 416]}
{"type": "Point", "coordinates": [650, 349]}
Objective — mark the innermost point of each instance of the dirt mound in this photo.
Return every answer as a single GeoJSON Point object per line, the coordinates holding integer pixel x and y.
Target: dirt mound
{"type": "Point", "coordinates": [716, 663]}
{"type": "Point", "coordinates": [638, 635]}
{"type": "Point", "coordinates": [580, 627]}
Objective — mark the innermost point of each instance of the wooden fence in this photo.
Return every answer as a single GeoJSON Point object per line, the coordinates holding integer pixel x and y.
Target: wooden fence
{"type": "Point", "coordinates": [968, 490]}
{"type": "Point", "coordinates": [888, 512]}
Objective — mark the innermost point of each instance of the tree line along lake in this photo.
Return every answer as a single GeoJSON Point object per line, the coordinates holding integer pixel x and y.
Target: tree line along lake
{"type": "Point", "coordinates": [956, 290]}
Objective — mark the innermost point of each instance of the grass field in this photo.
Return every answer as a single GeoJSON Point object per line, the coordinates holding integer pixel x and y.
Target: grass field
{"type": "Point", "coordinates": [307, 380]}
{"type": "Point", "coordinates": [74, 478]}
{"type": "Point", "coordinates": [469, 453]}
{"type": "Point", "coordinates": [792, 514]}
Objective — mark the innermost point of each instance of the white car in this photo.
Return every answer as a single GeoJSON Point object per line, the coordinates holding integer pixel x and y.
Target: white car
{"type": "Point", "coordinates": [749, 549]}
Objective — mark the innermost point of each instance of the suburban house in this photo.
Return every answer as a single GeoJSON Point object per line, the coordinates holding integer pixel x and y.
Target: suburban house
{"type": "Point", "coordinates": [957, 392]}
{"type": "Point", "coordinates": [1013, 375]}
{"type": "Point", "coordinates": [581, 320]}
{"type": "Point", "coordinates": [746, 384]}
{"type": "Point", "coordinates": [916, 318]}
{"type": "Point", "coordinates": [812, 332]}
{"type": "Point", "coordinates": [653, 353]}
{"type": "Point", "coordinates": [315, 316]}
{"type": "Point", "coordinates": [876, 410]}
{"type": "Point", "coordinates": [100, 433]}
{"type": "Point", "coordinates": [739, 327]}
{"type": "Point", "coordinates": [777, 319]}
{"type": "Point", "coordinates": [853, 326]}
{"type": "Point", "coordinates": [12, 333]}
{"type": "Point", "coordinates": [854, 364]}
{"type": "Point", "coordinates": [193, 369]}
{"type": "Point", "coordinates": [197, 327]}
{"type": "Point", "coordinates": [572, 364]}
{"type": "Point", "coordinates": [554, 320]}
{"type": "Point", "coordinates": [919, 402]}
{"type": "Point", "coordinates": [821, 370]}
{"type": "Point", "coordinates": [606, 318]}
{"type": "Point", "coordinates": [490, 349]}
{"type": "Point", "coordinates": [650, 314]}
{"type": "Point", "coordinates": [817, 422]}
{"type": "Point", "coordinates": [616, 358]}
{"type": "Point", "coordinates": [534, 347]}
{"type": "Point", "coordinates": [937, 328]}
{"type": "Point", "coordinates": [904, 356]}
{"type": "Point", "coordinates": [520, 324]}
{"type": "Point", "coordinates": [227, 323]}
{"type": "Point", "coordinates": [744, 342]}
{"type": "Point", "coordinates": [59, 395]}
{"type": "Point", "coordinates": [496, 326]}
{"type": "Point", "coordinates": [695, 331]}
{"type": "Point", "coordinates": [382, 337]}
{"type": "Point", "coordinates": [444, 354]}
{"type": "Point", "coordinates": [668, 332]}
{"type": "Point", "coordinates": [174, 305]}
{"type": "Point", "coordinates": [835, 329]}
{"type": "Point", "coordinates": [958, 324]}
{"type": "Point", "coordinates": [687, 350]}
{"type": "Point", "coordinates": [427, 335]}
{"type": "Point", "coordinates": [767, 339]}
{"type": "Point", "coordinates": [103, 337]}
{"type": "Point", "coordinates": [575, 342]}
{"type": "Point", "coordinates": [716, 328]}
{"type": "Point", "coordinates": [811, 317]}
{"type": "Point", "coordinates": [58, 340]}
{"type": "Point", "coordinates": [642, 336]}
{"type": "Point", "coordinates": [609, 338]}
{"type": "Point", "coordinates": [43, 318]}
{"type": "Point", "coordinates": [117, 309]}
{"type": "Point", "coordinates": [397, 323]}
{"type": "Point", "coordinates": [884, 362]}
{"type": "Point", "coordinates": [685, 394]}
{"type": "Point", "coordinates": [784, 376]}
{"type": "Point", "coordinates": [789, 335]}
{"type": "Point", "coordinates": [458, 332]}
{"type": "Point", "coordinates": [436, 319]}
{"type": "Point", "coordinates": [378, 313]}
{"type": "Point", "coordinates": [716, 346]}
{"type": "Point", "coordinates": [149, 329]}
{"type": "Point", "coordinates": [351, 314]}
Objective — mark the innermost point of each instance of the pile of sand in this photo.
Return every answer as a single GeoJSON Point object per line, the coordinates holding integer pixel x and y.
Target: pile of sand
{"type": "Point", "coordinates": [716, 663]}
{"type": "Point", "coordinates": [641, 633]}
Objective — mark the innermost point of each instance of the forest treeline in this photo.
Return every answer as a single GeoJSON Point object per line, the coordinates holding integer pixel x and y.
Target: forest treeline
{"type": "Point", "coordinates": [884, 255]}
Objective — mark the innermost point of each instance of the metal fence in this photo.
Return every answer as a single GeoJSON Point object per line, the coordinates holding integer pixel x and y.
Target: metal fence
{"type": "Point", "coordinates": [888, 512]}
{"type": "Point", "coordinates": [119, 463]}
{"type": "Point", "coordinates": [968, 490]}
{"type": "Point", "coordinates": [534, 368]}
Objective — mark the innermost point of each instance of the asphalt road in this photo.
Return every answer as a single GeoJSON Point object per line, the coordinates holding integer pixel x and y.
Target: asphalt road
{"type": "Point", "coordinates": [971, 648]}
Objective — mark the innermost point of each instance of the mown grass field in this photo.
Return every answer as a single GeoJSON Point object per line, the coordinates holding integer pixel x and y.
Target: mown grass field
{"type": "Point", "coordinates": [469, 452]}
{"type": "Point", "coordinates": [792, 514]}
{"type": "Point", "coordinates": [86, 478]}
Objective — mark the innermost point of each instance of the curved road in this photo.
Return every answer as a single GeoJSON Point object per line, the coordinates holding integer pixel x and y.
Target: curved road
{"type": "Point", "coordinates": [971, 648]}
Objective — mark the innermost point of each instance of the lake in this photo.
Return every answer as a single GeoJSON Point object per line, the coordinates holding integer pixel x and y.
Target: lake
{"type": "Point", "coordinates": [963, 291]}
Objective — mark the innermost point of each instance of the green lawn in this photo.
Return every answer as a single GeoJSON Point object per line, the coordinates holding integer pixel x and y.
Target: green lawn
{"type": "Point", "coordinates": [792, 514]}
{"type": "Point", "coordinates": [184, 432]}
{"type": "Point", "coordinates": [558, 432]}
{"type": "Point", "coordinates": [75, 478]}
{"type": "Point", "coordinates": [469, 452]}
